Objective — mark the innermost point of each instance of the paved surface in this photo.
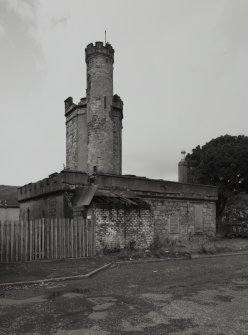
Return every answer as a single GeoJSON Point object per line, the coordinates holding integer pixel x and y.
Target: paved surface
{"type": "Point", "coordinates": [195, 297]}
{"type": "Point", "coordinates": [17, 272]}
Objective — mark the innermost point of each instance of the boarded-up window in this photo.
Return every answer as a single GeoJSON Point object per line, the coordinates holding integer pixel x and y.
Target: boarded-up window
{"type": "Point", "coordinates": [198, 219]}
{"type": "Point", "coordinates": [174, 224]}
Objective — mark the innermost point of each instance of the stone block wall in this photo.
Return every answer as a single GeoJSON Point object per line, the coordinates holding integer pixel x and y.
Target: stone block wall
{"type": "Point", "coordinates": [117, 149]}
{"type": "Point", "coordinates": [72, 144]}
{"type": "Point", "coordinates": [76, 140]}
{"type": "Point", "coordinates": [167, 220]}
{"type": "Point", "coordinates": [99, 102]}
{"type": "Point", "coordinates": [182, 219]}
{"type": "Point", "coordinates": [44, 207]}
{"type": "Point", "coordinates": [120, 227]}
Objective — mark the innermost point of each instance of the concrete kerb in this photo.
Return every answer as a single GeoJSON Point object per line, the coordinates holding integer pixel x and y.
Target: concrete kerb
{"type": "Point", "coordinates": [88, 275]}
{"type": "Point", "coordinates": [114, 264]}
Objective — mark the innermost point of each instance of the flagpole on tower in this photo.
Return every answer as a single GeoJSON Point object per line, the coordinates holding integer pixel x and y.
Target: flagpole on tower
{"type": "Point", "coordinates": [105, 36]}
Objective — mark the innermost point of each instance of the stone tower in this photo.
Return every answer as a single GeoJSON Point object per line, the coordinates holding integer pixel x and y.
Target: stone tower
{"type": "Point", "coordinates": [94, 126]}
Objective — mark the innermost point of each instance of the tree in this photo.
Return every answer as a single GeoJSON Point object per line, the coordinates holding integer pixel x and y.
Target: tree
{"type": "Point", "coordinates": [222, 162]}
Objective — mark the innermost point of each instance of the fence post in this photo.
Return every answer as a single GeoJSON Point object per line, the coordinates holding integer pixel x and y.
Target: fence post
{"type": "Point", "coordinates": [43, 239]}
{"type": "Point", "coordinates": [2, 238]}
{"type": "Point", "coordinates": [72, 240]}
{"type": "Point", "coordinates": [16, 230]}
{"type": "Point", "coordinates": [26, 240]}
{"type": "Point", "coordinates": [31, 240]}
{"type": "Point", "coordinates": [47, 238]}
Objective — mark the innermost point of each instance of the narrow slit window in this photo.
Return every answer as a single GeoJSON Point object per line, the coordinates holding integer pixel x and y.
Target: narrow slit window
{"type": "Point", "coordinates": [105, 102]}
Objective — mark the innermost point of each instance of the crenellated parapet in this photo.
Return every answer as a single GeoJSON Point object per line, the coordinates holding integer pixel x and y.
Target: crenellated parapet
{"type": "Point", "coordinates": [70, 106]}
{"type": "Point", "coordinates": [99, 48]}
{"type": "Point", "coordinates": [55, 183]}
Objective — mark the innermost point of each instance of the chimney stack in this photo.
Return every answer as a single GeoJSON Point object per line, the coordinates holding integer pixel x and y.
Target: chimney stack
{"type": "Point", "coordinates": [183, 169]}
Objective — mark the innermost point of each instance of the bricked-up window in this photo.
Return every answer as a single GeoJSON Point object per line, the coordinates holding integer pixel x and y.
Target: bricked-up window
{"type": "Point", "coordinates": [174, 224]}
{"type": "Point", "coordinates": [198, 209]}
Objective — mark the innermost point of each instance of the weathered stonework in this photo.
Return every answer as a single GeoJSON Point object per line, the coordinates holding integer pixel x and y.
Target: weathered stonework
{"type": "Point", "coordinates": [76, 135]}
{"type": "Point", "coordinates": [188, 224]}
{"type": "Point", "coordinates": [122, 210]}
{"type": "Point", "coordinates": [120, 227]}
{"type": "Point", "coordinates": [94, 126]}
{"type": "Point", "coordinates": [125, 209]}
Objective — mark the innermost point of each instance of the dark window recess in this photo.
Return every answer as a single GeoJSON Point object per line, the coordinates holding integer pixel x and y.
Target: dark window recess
{"type": "Point", "coordinates": [28, 214]}
{"type": "Point", "coordinates": [105, 102]}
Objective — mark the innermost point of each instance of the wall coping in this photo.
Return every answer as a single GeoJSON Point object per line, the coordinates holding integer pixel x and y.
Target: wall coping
{"type": "Point", "coordinates": [69, 180]}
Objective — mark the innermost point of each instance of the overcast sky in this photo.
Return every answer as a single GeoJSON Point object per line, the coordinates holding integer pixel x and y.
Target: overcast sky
{"type": "Point", "coordinates": [180, 67]}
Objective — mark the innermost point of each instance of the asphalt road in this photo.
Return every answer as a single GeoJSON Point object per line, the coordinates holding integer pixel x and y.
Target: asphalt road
{"type": "Point", "coordinates": [203, 296]}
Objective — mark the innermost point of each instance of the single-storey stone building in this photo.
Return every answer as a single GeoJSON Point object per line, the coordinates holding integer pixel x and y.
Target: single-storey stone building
{"type": "Point", "coordinates": [124, 209]}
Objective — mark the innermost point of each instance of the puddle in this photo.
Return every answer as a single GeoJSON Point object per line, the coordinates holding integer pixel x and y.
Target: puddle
{"type": "Point", "coordinates": [98, 315]}
{"type": "Point", "coordinates": [54, 295]}
{"type": "Point", "coordinates": [156, 296]}
{"type": "Point", "coordinates": [240, 282]}
{"type": "Point", "coordinates": [72, 295]}
{"type": "Point", "coordinates": [95, 330]}
{"type": "Point", "coordinates": [80, 290]}
{"type": "Point", "coordinates": [101, 300]}
{"type": "Point", "coordinates": [10, 302]}
{"type": "Point", "coordinates": [103, 306]}
{"type": "Point", "coordinates": [223, 298]}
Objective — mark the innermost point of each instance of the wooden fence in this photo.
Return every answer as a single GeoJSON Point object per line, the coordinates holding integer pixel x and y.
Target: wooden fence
{"type": "Point", "coordinates": [46, 239]}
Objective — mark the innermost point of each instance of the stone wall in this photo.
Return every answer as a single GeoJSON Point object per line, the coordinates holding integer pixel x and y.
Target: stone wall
{"type": "Point", "coordinates": [76, 140]}
{"type": "Point", "coordinates": [50, 206]}
{"type": "Point", "coordinates": [167, 220]}
{"type": "Point", "coordinates": [117, 149]}
{"type": "Point", "coordinates": [121, 227]}
{"type": "Point", "coordinates": [99, 102]}
{"type": "Point", "coordinates": [180, 219]}
{"type": "Point", "coordinates": [72, 144]}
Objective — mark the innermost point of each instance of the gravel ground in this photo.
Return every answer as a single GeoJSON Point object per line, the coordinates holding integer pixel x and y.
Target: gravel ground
{"type": "Point", "coordinates": [201, 296]}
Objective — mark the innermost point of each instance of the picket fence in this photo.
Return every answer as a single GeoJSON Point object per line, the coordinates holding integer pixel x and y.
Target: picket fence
{"type": "Point", "coordinates": [46, 239]}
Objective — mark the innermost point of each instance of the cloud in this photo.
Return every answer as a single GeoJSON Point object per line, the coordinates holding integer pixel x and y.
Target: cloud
{"type": "Point", "coordinates": [62, 20]}
{"type": "Point", "coordinates": [2, 30]}
{"type": "Point", "coordinates": [23, 9]}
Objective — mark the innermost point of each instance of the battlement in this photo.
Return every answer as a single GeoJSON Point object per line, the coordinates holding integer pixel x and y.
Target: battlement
{"type": "Point", "coordinates": [70, 106]}
{"type": "Point", "coordinates": [55, 183]}
{"type": "Point", "coordinates": [99, 48]}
